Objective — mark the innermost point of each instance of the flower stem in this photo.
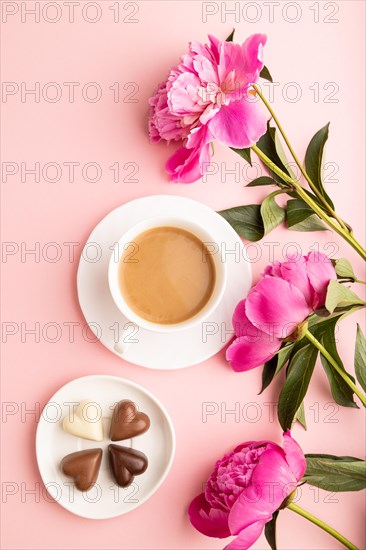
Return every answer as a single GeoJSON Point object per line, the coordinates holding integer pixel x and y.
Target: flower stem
{"type": "Point", "coordinates": [310, 202]}
{"type": "Point", "coordinates": [322, 525]}
{"type": "Point", "coordinates": [336, 367]}
{"type": "Point", "coordinates": [299, 164]}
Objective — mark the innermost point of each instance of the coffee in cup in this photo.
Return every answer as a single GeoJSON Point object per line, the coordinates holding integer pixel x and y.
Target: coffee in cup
{"type": "Point", "coordinates": [166, 275]}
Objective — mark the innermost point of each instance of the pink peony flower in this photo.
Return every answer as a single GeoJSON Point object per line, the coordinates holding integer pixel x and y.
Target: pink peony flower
{"type": "Point", "coordinates": [245, 488]}
{"type": "Point", "coordinates": [208, 97]}
{"type": "Point", "coordinates": [282, 299]}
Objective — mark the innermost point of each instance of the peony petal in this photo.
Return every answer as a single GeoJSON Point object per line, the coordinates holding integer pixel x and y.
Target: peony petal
{"type": "Point", "coordinates": [245, 61]}
{"type": "Point", "coordinates": [274, 269]}
{"type": "Point", "coordinates": [199, 49]}
{"type": "Point", "coordinates": [198, 137]}
{"type": "Point", "coordinates": [209, 113]}
{"type": "Point", "coordinates": [239, 124]}
{"type": "Point", "coordinates": [186, 63]}
{"type": "Point", "coordinates": [320, 271]}
{"type": "Point", "coordinates": [253, 54]}
{"type": "Point", "coordinates": [272, 481]}
{"type": "Point", "coordinates": [214, 47]}
{"type": "Point", "coordinates": [276, 306]}
{"type": "Point", "coordinates": [162, 123]}
{"type": "Point", "coordinates": [207, 520]}
{"type": "Point", "coordinates": [246, 537]}
{"type": "Point", "coordinates": [253, 347]}
{"type": "Point", "coordinates": [241, 323]}
{"type": "Point", "coordinates": [295, 272]}
{"type": "Point", "coordinates": [183, 98]}
{"type": "Point", "coordinates": [183, 166]}
{"type": "Point", "coordinates": [188, 165]}
{"type": "Point", "coordinates": [232, 60]}
{"type": "Point", "coordinates": [204, 158]}
{"type": "Point", "coordinates": [294, 456]}
{"type": "Point", "coordinates": [206, 69]}
{"type": "Point", "coordinates": [246, 353]}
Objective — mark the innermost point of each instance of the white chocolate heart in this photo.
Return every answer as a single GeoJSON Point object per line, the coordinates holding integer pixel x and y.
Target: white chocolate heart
{"type": "Point", "coordinates": [85, 421]}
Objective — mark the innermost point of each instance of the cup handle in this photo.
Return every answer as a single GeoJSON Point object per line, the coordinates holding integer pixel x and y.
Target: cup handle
{"type": "Point", "coordinates": [126, 338]}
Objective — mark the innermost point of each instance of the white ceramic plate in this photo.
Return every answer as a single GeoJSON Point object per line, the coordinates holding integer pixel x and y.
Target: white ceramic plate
{"type": "Point", "coordinates": [152, 349]}
{"type": "Point", "coordinates": [105, 499]}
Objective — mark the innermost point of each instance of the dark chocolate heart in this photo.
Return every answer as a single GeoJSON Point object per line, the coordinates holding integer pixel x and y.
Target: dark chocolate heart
{"type": "Point", "coordinates": [127, 421]}
{"type": "Point", "coordinates": [83, 467]}
{"type": "Point", "coordinates": [126, 463]}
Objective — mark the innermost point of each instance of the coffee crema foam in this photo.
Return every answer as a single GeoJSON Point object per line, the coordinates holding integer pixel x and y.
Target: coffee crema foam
{"type": "Point", "coordinates": [166, 275]}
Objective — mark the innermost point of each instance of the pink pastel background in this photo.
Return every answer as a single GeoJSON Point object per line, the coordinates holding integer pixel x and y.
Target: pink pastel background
{"type": "Point", "coordinates": [106, 132]}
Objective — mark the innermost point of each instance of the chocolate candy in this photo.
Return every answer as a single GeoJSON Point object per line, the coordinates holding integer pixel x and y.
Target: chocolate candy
{"type": "Point", "coordinates": [126, 463]}
{"type": "Point", "coordinates": [83, 467]}
{"type": "Point", "coordinates": [127, 421]}
{"type": "Point", "coordinates": [85, 422]}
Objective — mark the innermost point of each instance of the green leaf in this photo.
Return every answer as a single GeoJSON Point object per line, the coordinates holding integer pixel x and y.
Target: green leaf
{"type": "Point", "coordinates": [283, 356]}
{"type": "Point", "coordinates": [342, 393]}
{"type": "Point", "coordinates": [326, 456]}
{"type": "Point", "coordinates": [270, 531]}
{"type": "Point", "coordinates": [266, 74]}
{"type": "Point", "coordinates": [282, 155]}
{"type": "Point", "coordinates": [272, 214]}
{"type": "Point", "coordinates": [323, 329]}
{"type": "Point", "coordinates": [300, 217]}
{"type": "Point", "coordinates": [274, 365]}
{"type": "Point", "coordinates": [300, 370]}
{"type": "Point", "coordinates": [312, 223]}
{"type": "Point", "coordinates": [230, 38]}
{"type": "Point", "coordinates": [246, 221]}
{"type": "Point", "coordinates": [262, 180]}
{"type": "Point", "coordinates": [300, 416]}
{"type": "Point", "coordinates": [318, 326]}
{"type": "Point", "coordinates": [340, 296]}
{"type": "Point", "coordinates": [244, 153]}
{"type": "Point", "coordinates": [314, 198]}
{"type": "Point", "coordinates": [360, 358]}
{"type": "Point", "coordinates": [333, 473]}
{"type": "Point", "coordinates": [268, 146]}
{"type": "Point", "coordinates": [269, 370]}
{"type": "Point", "coordinates": [319, 322]}
{"type": "Point", "coordinates": [344, 269]}
{"type": "Point", "coordinates": [314, 160]}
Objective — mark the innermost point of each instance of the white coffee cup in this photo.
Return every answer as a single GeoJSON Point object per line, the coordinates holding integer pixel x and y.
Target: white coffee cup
{"type": "Point", "coordinates": [126, 242]}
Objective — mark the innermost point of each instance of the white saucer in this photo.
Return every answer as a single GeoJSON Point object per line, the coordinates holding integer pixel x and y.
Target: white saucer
{"type": "Point", "coordinates": [152, 349]}
{"type": "Point", "coordinates": [105, 499]}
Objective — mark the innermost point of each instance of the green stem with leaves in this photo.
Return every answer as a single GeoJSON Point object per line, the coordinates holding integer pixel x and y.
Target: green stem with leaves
{"type": "Point", "coordinates": [295, 186]}
{"type": "Point", "coordinates": [322, 525]}
{"type": "Point", "coordinates": [336, 367]}
{"type": "Point", "coordinates": [299, 164]}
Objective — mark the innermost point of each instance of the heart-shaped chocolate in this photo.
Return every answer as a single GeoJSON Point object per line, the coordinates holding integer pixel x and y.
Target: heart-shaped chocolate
{"type": "Point", "coordinates": [127, 421]}
{"type": "Point", "coordinates": [126, 463]}
{"type": "Point", "coordinates": [83, 467]}
{"type": "Point", "coordinates": [85, 422]}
